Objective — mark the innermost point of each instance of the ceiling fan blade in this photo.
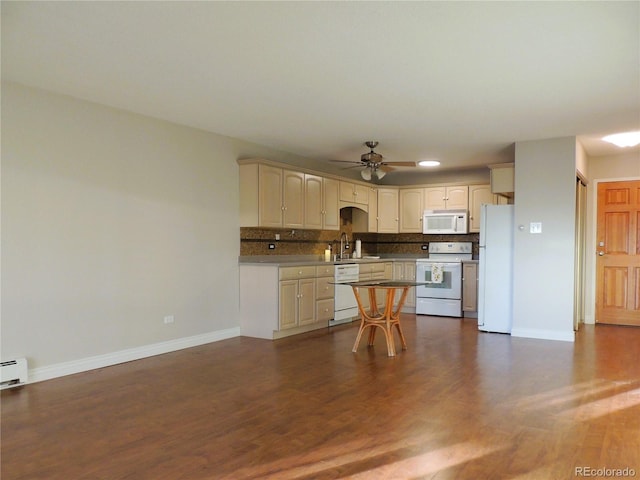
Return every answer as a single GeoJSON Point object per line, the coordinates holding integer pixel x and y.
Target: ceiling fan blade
{"type": "Point", "coordinates": [385, 168]}
{"type": "Point", "coordinates": [400, 164]}
{"type": "Point", "coordinates": [347, 161]}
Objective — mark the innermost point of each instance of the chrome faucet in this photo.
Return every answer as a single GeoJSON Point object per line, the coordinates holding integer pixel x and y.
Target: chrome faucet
{"type": "Point", "coordinates": [344, 242]}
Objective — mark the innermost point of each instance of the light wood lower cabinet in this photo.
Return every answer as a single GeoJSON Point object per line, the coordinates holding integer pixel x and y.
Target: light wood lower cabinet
{"type": "Point", "coordinates": [276, 302]}
{"type": "Point", "coordinates": [297, 302]}
{"type": "Point", "coordinates": [406, 271]}
{"type": "Point", "coordinates": [325, 292]}
{"type": "Point", "coordinates": [375, 271]}
{"type": "Point", "coordinates": [469, 287]}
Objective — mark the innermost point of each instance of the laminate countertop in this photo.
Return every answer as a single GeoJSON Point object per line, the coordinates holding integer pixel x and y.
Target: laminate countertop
{"type": "Point", "coordinates": [296, 260]}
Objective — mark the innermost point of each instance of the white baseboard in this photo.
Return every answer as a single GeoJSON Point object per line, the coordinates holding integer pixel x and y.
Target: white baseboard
{"type": "Point", "coordinates": [544, 334]}
{"type": "Point", "coordinates": [99, 361]}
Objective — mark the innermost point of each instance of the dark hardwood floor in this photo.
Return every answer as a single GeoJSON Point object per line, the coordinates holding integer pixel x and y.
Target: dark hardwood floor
{"type": "Point", "coordinates": [458, 404]}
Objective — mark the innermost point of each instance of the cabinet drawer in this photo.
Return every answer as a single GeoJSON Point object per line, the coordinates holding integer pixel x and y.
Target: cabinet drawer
{"type": "Point", "coordinates": [325, 271]}
{"type": "Point", "coordinates": [324, 310]}
{"type": "Point", "coordinates": [292, 273]}
{"type": "Point", "coordinates": [324, 288]}
{"type": "Point", "coordinates": [372, 268]}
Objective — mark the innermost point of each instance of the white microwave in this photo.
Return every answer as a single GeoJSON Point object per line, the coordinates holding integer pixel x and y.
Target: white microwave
{"type": "Point", "coordinates": [445, 221]}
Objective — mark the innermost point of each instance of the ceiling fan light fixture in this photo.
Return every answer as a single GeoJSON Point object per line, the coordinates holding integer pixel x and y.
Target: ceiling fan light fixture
{"type": "Point", "coordinates": [366, 173]}
{"type": "Point", "coordinates": [379, 173]}
{"type": "Point", "coordinates": [622, 140]}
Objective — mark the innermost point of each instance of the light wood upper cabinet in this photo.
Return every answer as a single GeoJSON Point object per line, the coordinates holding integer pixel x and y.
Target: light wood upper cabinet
{"type": "Point", "coordinates": [387, 210]}
{"type": "Point", "coordinates": [293, 199]}
{"type": "Point", "coordinates": [354, 193]}
{"type": "Point", "coordinates": [264, 191]}
{"type": "Point", "coordinates": [321, 210]}
{"type": "Point", "coordinates": [331, 205]}
{"type": "Point", "coordinates": [275, 197]}
{"type": "Point", "coordinates": [372, 217]}
{"type": "Point", "coordinates": [270, 196]}
{"type": "Point", "coordinates": [478, 195]}
{"type": "Point", "coordinates": [435, 198]}
{"type": "Point", "coordinates": [503, 178]}
{"type": "Point", "coordinates": [446, 197]}
{"type": "Point", "coordinates": [411, 210]}
{"type": "Point", "coordinates": [313, 205]}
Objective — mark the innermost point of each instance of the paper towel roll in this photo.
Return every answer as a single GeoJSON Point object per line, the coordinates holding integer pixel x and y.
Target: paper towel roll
{"type": "Point", "coordinates": [327, 255]}
{"type": "Point", "coordinates": [358, 253]}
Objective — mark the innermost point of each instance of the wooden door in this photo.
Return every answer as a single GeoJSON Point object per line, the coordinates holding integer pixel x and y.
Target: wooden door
{"type": "Point", "coordinates": [478, 196]}
{"type": "Point", "coordinates": [618, 253]}
{"type": "Point", "coordinates": [411, 210]}
{"type": "Point", "coordinates": [435, 198]}
{"type": "Point", "coordinates": [458, 197]}
{"type": "Point", "coordinates": [293, 199]}
{"type": "Point", "coordinates": [313, 207]}
{"type": "Point", "coordinates": [387, 210]}
{"type": "Point", "coordinates": [347, 192]}
{"type": "Point", "coordinates": [270, 196]}
{"type": "Point", "coordinates": [410, 275]}
{"type": "Point", "coordinates": [372, 220]}
{"type": "Point", "coordinates": [288, 304]}
{"type": "Point", "coordinates": [469, 287]}
{"type": "Point", "coordinates": [361, 194]}
{"type": "Point", "coordinates": [307, 301]}
{"type": "Point", "coordinates": [331, 207]}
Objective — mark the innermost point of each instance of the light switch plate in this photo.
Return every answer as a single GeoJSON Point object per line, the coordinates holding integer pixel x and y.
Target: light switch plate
{"type": "Point", "coordinates": [535, 227]}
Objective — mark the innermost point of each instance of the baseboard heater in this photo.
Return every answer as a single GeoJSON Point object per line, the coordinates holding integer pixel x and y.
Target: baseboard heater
{"type": "Point", "coordinates": [13, 373]}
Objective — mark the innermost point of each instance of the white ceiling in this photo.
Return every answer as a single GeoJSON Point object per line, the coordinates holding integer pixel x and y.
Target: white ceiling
{"type": "Point", "coordinates": [456, 81]}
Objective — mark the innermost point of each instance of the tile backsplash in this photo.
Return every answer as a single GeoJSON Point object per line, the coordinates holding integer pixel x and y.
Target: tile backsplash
{"type": "Point", "coordinates": [256, 241]}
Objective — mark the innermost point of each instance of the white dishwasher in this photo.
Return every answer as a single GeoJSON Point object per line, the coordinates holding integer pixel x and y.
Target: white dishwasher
{"type": "Point", "coordinates": [346, 307]}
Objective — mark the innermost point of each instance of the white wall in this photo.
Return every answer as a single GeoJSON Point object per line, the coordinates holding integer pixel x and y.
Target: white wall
{"type": "Point", "coordinates": [625, 166]}
{"type": "Point", "coordinates": [111, 221]}
{"type": "Point", "coordinates": [545, 173]}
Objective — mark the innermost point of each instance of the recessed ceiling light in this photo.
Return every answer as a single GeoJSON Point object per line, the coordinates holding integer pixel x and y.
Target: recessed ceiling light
{"type": "Point", "coordinates": [429, 163]}
{"type": "Point", "coordinates": [628, 139]}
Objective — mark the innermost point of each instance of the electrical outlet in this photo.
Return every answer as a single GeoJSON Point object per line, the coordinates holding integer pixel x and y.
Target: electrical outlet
{"type": "Point", "coordinates": [424, 247]}
{"type": "Point", "coordinates": [168, 319]}
{"type": "Point", "coordinates": [272, 246]}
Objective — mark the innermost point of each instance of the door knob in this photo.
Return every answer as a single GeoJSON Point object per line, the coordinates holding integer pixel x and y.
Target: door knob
{"type": "Point", "coordinates": [601, 253]}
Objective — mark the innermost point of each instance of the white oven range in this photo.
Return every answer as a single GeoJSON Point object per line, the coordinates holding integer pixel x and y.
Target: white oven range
{"type": "Point", "coordinates": [443, 293]}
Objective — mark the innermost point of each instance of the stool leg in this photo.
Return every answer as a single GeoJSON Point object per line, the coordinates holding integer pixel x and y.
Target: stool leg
{"type": "Point", "coordinates": [372, 335]}
{"type": "Point", "coordinates": [360, 330]}
{"type": "Point", "coordinates": [402, 339]}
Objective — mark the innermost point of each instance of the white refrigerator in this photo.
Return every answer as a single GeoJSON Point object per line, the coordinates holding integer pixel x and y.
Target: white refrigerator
{"type": "Point", "coordinates": [495, 281]}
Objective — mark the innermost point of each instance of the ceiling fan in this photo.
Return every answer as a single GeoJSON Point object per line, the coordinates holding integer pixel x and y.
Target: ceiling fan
{"type": "Point", "coordinates": [374, 163]}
